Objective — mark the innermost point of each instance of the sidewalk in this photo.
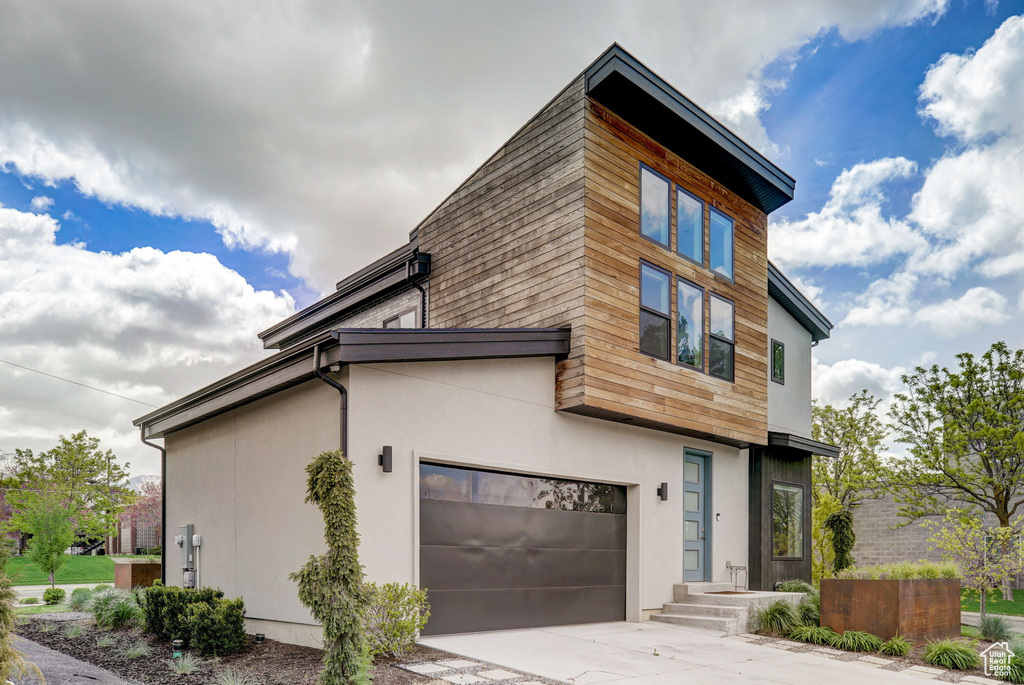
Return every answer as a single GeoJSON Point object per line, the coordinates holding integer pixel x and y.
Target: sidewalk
{"type": "Point", "coordinates": [973, 618]}
{"type": "Point", "coordinates": [37, 590]}
{"type": "Point", "coordinates": [61, 669]}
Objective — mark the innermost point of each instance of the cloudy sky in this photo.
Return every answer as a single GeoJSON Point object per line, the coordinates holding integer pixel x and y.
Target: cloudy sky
{"type": "Point", "coordinates": [175, 177]}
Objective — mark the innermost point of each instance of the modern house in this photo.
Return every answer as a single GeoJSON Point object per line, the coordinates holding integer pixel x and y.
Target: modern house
{"type": "Point", "coordinates": [579, 384]}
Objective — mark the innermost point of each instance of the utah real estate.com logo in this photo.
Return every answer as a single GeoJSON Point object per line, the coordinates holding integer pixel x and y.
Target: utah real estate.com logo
{"type": "Point", "coordinates": [997, 660]}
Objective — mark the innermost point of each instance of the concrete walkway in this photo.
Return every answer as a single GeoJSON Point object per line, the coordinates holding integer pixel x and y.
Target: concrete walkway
{"type": "Point", "coordinates": [973, 618]}
{"type": "Point", "coordinates": [37, 590]}
{"type": "Point", "coordinates": [659, 654]}
{"type": "Point", "coordinates": [61, 669]}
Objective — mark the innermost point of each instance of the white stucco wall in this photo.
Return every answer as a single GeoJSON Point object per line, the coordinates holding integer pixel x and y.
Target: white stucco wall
{"type": "Point", "coordinates": [239, 478]}
{"type": "Point", "coordinates": [789, 404]}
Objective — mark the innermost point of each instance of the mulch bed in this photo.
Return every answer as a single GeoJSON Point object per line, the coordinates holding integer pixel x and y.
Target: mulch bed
{"type": "Point", "coordinates": [272, 663]}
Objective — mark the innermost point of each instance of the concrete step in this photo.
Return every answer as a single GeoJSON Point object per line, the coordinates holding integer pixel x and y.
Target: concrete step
{"type": "Point", "coordinates": [729, 626]}
{"type": "Point", "coordinates": [756, 599]}
{"type": "Point", "coordinates": [716, 610]}
{"type": "Point", "coordinates": [681, 591]}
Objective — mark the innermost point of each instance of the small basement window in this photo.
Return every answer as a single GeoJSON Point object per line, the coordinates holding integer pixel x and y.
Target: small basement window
{"type": "Point", "coordinates": [787, 521]}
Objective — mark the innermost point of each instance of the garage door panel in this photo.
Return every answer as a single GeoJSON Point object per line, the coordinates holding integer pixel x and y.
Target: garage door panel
{"type": "Point", "coordinates": [461, 611]}
{"type": "Point", "coordinates": [492, 568]}
{"type": "Point", "coordinates": [490, 525]}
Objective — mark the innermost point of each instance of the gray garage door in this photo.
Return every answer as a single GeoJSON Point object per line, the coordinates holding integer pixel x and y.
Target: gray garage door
{"type": "Point", "coordinates": [500, 551]}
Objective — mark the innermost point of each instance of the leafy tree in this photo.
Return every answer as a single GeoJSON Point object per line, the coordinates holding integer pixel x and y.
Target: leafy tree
{"type": "Point", "coordinates": [145, 510]}
{"type": "Point", "coordinates": [89, 482]}
{"type": "Point", "coordinates": [12, 662]}
{"type": "Point", "coordinates": [50, 524]}
{"type": "Point", "coordinates": [331, 585]}
{"type": "Point", "coordinates": [857, 473]}
{"type": "Point", "coordinates": [822, 553]}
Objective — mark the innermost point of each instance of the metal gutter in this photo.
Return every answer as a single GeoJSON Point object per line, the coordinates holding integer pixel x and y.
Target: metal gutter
{"type": "Point", "coordinates": [799, 442]}
{"type": "Point", "coordinates": [163, 505]}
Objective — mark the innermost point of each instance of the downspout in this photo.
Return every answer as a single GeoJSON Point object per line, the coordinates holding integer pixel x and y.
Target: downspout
{"type": "Point", "coordinates": [423, 304]}
{"type": "Point", "coordinates": [341, 391]}
{"type": "Point", "coordinates": [163, 502]}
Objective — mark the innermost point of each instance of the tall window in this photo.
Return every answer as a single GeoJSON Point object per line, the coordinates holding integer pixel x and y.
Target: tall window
{"type": "Point", "coordinates": [654, 211]}
{"type": "Point", "coordinates": [655, 311]}
{"type": "Point", "coordinates": [787, 520]}
{"type": "Point", "coordinates": [721, 338]}
{"type": "Point", "coordinates": [690, 324]}
{"type": "Point", "coordinates": [689, 226]}
{"type": "Point", "coordinates": [778, 362]}
{"type": "Point", "coordinates": [720, 248]}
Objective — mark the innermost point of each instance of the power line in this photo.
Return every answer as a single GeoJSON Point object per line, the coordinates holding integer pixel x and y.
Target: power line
{"type": "Point", "coordinates": [68, 380]}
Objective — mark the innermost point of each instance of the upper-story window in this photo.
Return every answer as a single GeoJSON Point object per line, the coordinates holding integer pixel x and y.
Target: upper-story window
{"type": "Point", "coordinates": [722, 338]}
{"type": "Point", "coordinates": [689, 226]}
{"type": "Point", "coordinates": [690, 324]}
{"type": "Point", "coordinates": [720, 252]}
{"type": "Point", "coordinates": [778, 362]}
{"type": "Point", "coordinates": [655, 311]}
{"type": "Point", "coordinates": [654, 206]}
{"type": "Point", "coordinates": [406, 319]}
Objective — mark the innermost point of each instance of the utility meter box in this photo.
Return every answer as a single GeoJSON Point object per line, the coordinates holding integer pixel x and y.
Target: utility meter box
{"type": "Point", "coordinates": [184, 541]}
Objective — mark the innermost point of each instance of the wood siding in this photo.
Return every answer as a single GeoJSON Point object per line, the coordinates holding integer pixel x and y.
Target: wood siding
{"type": "Point", "coordinates": [617, 378]}
{"type": "Point", "coordinates": [507, 245]}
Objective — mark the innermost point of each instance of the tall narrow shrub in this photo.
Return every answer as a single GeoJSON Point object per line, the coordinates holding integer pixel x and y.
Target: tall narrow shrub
{"type": "Point", "coordinates": [331, 585]}
{"type": "Point", "coordinates": [12, 662]}
{"type": "Point", "coordinates": [843, 538]}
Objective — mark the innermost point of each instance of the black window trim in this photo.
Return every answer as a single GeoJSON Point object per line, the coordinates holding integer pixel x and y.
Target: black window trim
{"type": "Point", "coordinates": [640, 214]}
{"type": "Point", "coordinates": [803, 521]}
{"type": "Point", "coordinates": [703, 227]}
{"type": "Point", "coordinates": [732, 343]}
{"type": "Point", "coordinates": [703, 326]}
{"type": "Point", "coordinates": [732, 220]}
{"type": "Point", "coordinates": [668, 317]}
{"type": "Point", "coordinates": [771, 356]}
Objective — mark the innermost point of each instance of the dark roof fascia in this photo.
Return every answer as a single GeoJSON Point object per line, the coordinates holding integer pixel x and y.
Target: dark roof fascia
{"type": "Point", "coordinates": [622, 83]}
{"type": "Point", "coordinates": [798, 306]}
{"type": "Point", "coordinates": [351, 346]}
{"type": "Point", "coordinates": [371, 281]}
{"type": "Point", "coordinates": [798, 442]}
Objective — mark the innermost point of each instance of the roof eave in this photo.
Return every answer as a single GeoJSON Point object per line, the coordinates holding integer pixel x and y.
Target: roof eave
{"type": "Point", "coordinates": [798, 306]}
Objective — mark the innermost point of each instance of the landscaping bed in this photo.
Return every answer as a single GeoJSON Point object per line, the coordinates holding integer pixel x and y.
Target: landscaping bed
{"type": "Point", "coordinates": [272, 663]}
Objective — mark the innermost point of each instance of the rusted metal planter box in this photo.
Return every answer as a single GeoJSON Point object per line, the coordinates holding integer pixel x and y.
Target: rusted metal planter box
{"type": "Point", "coordinates": [919, 610]}
{"type": "Point", "coordinates": [133, 573]}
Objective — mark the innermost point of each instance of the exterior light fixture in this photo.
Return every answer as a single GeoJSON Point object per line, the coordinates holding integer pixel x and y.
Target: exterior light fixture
{"type": "Point", "coordinates": [258, 638]}
{"type": "Point", "coordinates": [384, 459]}
{"type": "Point", "coordinates": [176, 647]}
{"type": "Point", "coordinates": [663, 492]}
{"type": "Point", "coordinates": [335, 368]}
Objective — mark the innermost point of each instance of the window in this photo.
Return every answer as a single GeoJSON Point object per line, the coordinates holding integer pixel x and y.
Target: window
{"type": "Point", "coordinates": [654, 211]}
{"type": "Point", "coordinates": [689, 226]}
{"type": "Point", "coordinates": [721, 338]}
{"type": "Point", "coordinates": [655, 311]}
{"type": "Point", "coordinates": [778, 362]}
{"type": "Point", "coordinates": [787, 520]}
{"type": "Point", "coordinates": [690, 324]}
{"type": "Point", "coordinates": [721, 244]}
{"type": "Point", "coordinates": [406, 319]}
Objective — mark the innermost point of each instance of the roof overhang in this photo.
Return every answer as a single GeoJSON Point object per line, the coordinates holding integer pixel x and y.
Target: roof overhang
{"type": "Point", "coordinates": [351, 346]}
{"type": "Point", "coordinates": [798, 442]}
{"type": "Point", "coordinates": [798, 306]}
{"type": "Point", "coordinates": [618, 81]}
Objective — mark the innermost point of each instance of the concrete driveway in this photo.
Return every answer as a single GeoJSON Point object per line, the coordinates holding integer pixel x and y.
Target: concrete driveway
{"type": "Point", "coordinates": [659, 654]}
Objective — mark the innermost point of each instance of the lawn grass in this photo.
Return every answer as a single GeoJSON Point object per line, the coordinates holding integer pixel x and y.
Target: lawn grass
{"type": "Point", "coordinates": [29, 609]}
{"type": "Point", "coordinates": [76, 569]}
{"type": "Point", "coordinates": [995, 604]}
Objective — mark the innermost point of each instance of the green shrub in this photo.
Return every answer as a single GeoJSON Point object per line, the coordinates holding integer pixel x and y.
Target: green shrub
{"type": "Point", "coordinates": [47, 627]}
{"type": "Point", "coordinates": [74, 631]}
{"type": "Point", "coordinates": [217, 629]}
{"type": "Point", "coordinates": [995, 628]}
{"type": "Point", "coordinates": [970, 632]}
{"type": "Point", "coordinates": [951, 654]}
{"type": "Point", "coordinates": [777, 618]}
{"type": "Point", "coordinates": [28, 600]}
{"type": "Point", "coordinates": [809, 610]}
{"type": "Point", "coordinates": [394, 616]}
{"type": "Point", "coordinates": [815, 635]}
{"type": "Point", "coordinates": [166, 609]}
{"type": "Point", "coordinates": [80, 599]}
{"type": "Point", "coordinates": [101, 587]}
{"type": "Point", "coordinates": [858, 641]}
{"type": "Point", "coordinates": [105, 641]}
{"type": "Point", "coordinates": [136, 649]}
{"type": "Point", "coordinates": [904, 571]}
{"type": "Point", "coordinates": [897, 645]}
{"type": "Point", "coordinates": [795, 585]}
{"type": "Point", "coordinates": [233, 676]}
{"type": "Point", "coordinates": [115, 608]}
{"type": "Point", "coordinates": [54, 595]}
{"type": "Point", "coordinates": [185, 664]}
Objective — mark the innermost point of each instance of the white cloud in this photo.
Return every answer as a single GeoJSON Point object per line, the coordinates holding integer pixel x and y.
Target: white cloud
{"type": "Point", "coordinates": [851, 228]}
{"type": "Point", "coordinates": [41, 203]}
{"type": "Point", "coordinates": [146, 324]}
{"type": "Point", "coordinates": [886, 302]}
{"type": "Point", "coordinates": [834, 384]}
{"type": "Point", "coordinates": [975, 309]}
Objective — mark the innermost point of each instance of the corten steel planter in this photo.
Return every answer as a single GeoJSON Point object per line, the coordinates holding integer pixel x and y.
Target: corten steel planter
{"type": "Point", "coordinates": [919, 610]}
{"type": "Point", "coordinates": [133, 573]}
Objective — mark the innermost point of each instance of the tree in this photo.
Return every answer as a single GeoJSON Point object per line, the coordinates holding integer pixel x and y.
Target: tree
{"type": "Point", "coordinates": [49, 521]}
{"type": "Point", "coordinates": [90, 483]}
{"type": "Point", "coordinates": [856, 474]}
{"type": "Point", "coordinates": [12, 662]}
{"type": "Point", "coordinates": [146, 509]}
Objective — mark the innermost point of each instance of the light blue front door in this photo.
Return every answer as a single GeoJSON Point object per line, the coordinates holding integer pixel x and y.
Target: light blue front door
{"type": "Point", "coordinates": [695, 517]}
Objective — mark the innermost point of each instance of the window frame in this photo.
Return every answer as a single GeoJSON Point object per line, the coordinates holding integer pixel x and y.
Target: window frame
{"type": "Point", "coordinates": [703, 221]}
{"type": "Point", "coordinates": [803, 522]}
{"type": "Point", "coordinates": [668, 200]}
{"type": "Point", "coordinates": [781, 380]}
{"type": "Point", "coordinates": [654, 312]}
{"type": "Point", "coordinates": [732, 343]}
{"type": "Point", "coordinates": [703, 326]}
{"type": "Point", "coordinates": [398, 317]}
{"type": "Point", "coordinates": [732, 246]}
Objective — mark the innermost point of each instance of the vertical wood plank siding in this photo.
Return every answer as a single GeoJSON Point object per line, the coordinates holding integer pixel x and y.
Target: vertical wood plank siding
{"type": "Point", "coordinates": [616, 376]}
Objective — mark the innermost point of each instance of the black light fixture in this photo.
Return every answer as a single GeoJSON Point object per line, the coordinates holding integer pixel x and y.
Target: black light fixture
{"type": "Point", "coordinates": [384, 459]}
{"type": "Point", "coordinates": [663, 492]}
{"type": "Point", "coordinates": [176, 648]}
{"type": "Point", "coordinates": [258, 638]}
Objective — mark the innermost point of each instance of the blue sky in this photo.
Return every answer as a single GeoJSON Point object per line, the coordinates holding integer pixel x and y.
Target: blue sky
{"type": "Point", "coordinates": [169, 187]}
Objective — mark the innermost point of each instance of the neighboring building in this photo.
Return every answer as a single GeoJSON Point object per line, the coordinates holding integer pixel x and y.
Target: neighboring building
{"type": "Point", "coordinates": [588, 380]}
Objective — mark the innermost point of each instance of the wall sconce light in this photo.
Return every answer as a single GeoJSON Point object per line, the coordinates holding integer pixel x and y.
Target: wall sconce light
{"type": "Point", "coordinates": [384, 459]}
{"type": "Point", "coordinates": [663, 492]}
{"type": "Point", "coordinates": [335, 368]}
